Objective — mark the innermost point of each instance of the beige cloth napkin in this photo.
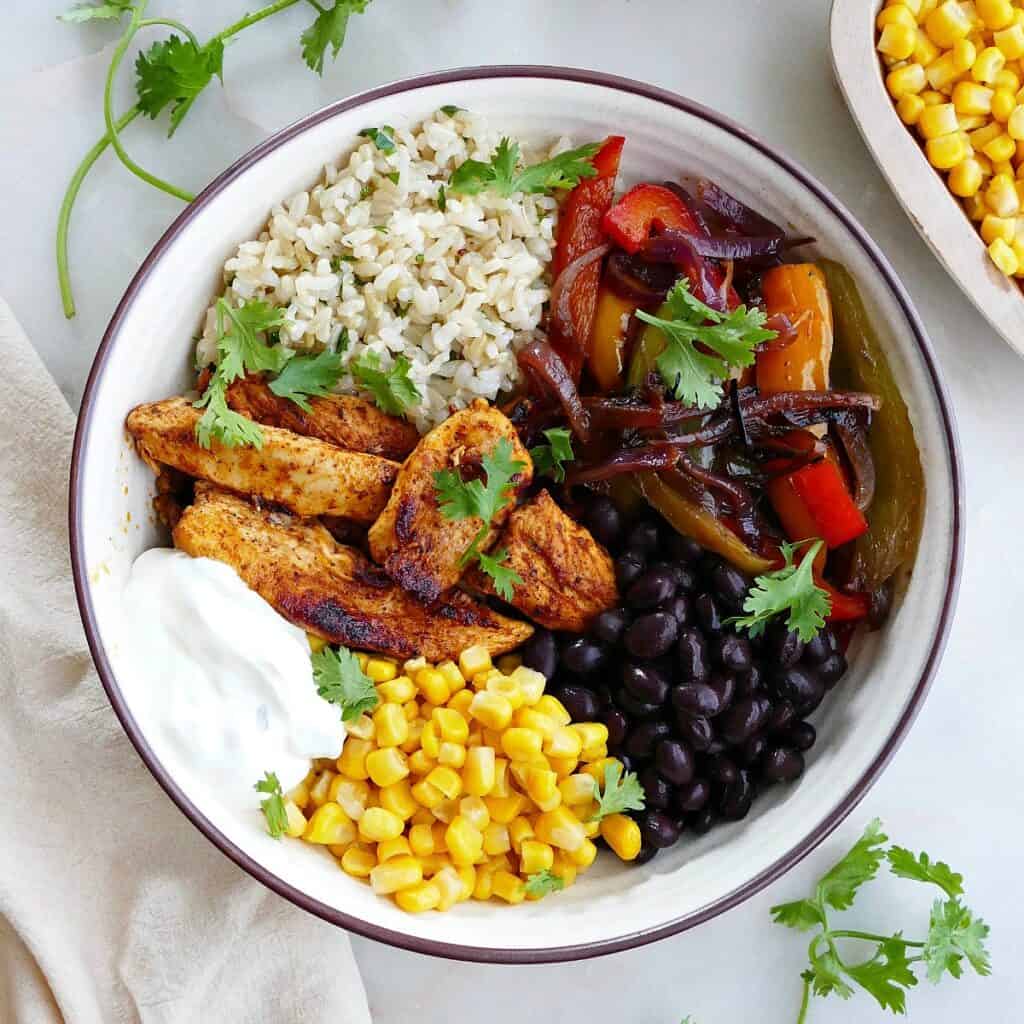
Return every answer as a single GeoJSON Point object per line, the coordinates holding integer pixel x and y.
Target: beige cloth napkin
{"type": "Point", "coordinates": [113, 908]}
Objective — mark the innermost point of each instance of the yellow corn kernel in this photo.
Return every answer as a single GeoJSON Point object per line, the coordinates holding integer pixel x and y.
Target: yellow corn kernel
{"type": "Point", "coordinates": [925, 51]}
{"type": "Point", "coordinates": [535, 856]}
{"type": "Point", "coordinates": [577, 789]}
{"type": "Point", "coordinates": [398, 799]}
{"type": "Point", "coordinates": [319, 792]}
{"type": "Point", "coordinates": [946, 151]}
{"type": "Point", "coordinates": [941, 75]}
{"type": "Point", "coordinates": [988, 65]}
{"type": "Point", "coordinates": [452, 676]}
{"type": "Point", "coordinates": [421, 763]}
{"type": "Point", "coordinates": [560, 828]}
{"type": "Point", "coordinates": [622, 834]}
{"type": "Point", "coordinates": [411, 710]}
{"type": "Point", "coordinates": [452, 755]}
{"type": "Point", "coordinates": [392, 727]}
{"type": "Point", "coordinates": [1018, 252]}
{"type": "Point", "coordinates": [438, 832]}
{"type": "Point", "coordinates": [433, 863]}
{"type": "Point", "coordinates": [591, 825]}
{"type": "Point", "coordinates": [459, 702]}
{"type": "Point", "coordinates": [352, 762]}
{"type": "Point", "coordinates": [296, 820]}
{"type": "Point", "coordinates": [422, 815]}
{"type": "Point", "coordinates": [506, 687]}
{"type": "Point", "coordinates": [391, 848]}
{"type": "Point", "coordinates": [504, 808]}
{"type": "Point", "coordinates": [1011, 41]}
{"type": "Point", "coordinates": [947, 23]}
{"type": "Point", "coordinates": [446, 780]}
{"type": "Point", "coordinates": [563, 767]}
{"type": "Point", "coordinates": [993, 228]}
{"type": "Point", "coordinates": [508, 887]}
{"type": "Point", "coordinates": [418, 898]}
{"type": "Point", "coordinates": [542, 788]}
{"type": "Point", "coordinates": [474, 660]}
{"type": "Point", "coordinates": [914, 6]}
{"type": "Point", "coordinates": [397, 691]}
{"type": "Point", "coordinates": [519, 771]}
{"type": "Point", "coordinates": [358, 861]}
{"type": "Point", "coordinates": [584, 855]}
{"type": "Point", "coordinates": [1003, 257]}
{"type": "Point", "coordinates": [490, 709]}
{"type": "Point", "coordinates": [968, 123]}
{"type": "Point", "coordinates": [397, 874]}
{"type": "Point", "coordinates": [995, 14]}
{"type": "Point", "coordinates": [478, 772]}
{"type": "Point", "coordinates": [427, 794]}
{"type": "Point", "coordinates": [897, 41]}
{"type": "Point", "coordinates": [467, 880]}
{"type": "Point", "coordinates": [531, 718]}
{"type": "Point", "coordinates": [421, 840]}
{"type": "Point", "coordinates": [551, 707]}
{"type": "Point", "coordinates": [1000, 148]}
{"type": "Point", "coordinates": [465, 843]}
{"type": "Point", "coordinates": [445, 810]}
{"type": "Point", "coordinates": [352, 795]}
{"type": "Point", "coordinates": [531, 684]}
{"type": "Point", "coordinates": [965, 179]}
{"type": "Point", "coordinates": [496, 839]}
{"type": "Point", "coordinates": [1015, 126]}
{"type": "Point", "coordinates": [483, 886]}
{"type": "Point", "coordinates": [450, 886]}
{"type": "Point", "coordinates": [969, 98]}
{"type": "Point", "coordinates": [910, 108]}
{"type": "Point", "coordinates": [896, 14]}
{"type": "Point", "coordinates": [386, 767]}
{"type": "Point", "coordinates": [481, 679]}
{"type": "Point", "coordinates": [981, 137]}
{"type": "Point", "coordinates": [378, 824]}
{"type": "Point", "coordinates": [430, 740]}
{"type": "Point", "coordinates": [299, 795]}
{"type": "Point", "coordinates": [568, 741]}
{"type": "Point", "coordinates": [976, 208]}
{"type": "Point", "coordinates": [508, 663]}
{"type": "Point", "coordinates": [432, 686]}
{"type": "Point", "coordinates": [592, 734]}
{"type": "Point", "coordinates": [965, 53]}
{"type": "Point", "coordinates": [381, 670]}
{"type": "Point", "coordinates": [1002, 197]}
{"type": "Point", "coordinates": [564, 868]}
{"type": "Point", "coordinates": [474, 810]}
{"type": "Point", "coordinates": [521, 744]}
{"type": "Point", "coordinates": [501, 786]}
{"type": "Point", "coordinates": [362, 727]}
{"type": "Point", "coordinates": [1008, 78]}
{"type": "Point", "coordinates": [519, 830]}
{"type": "Point", "coordinates": [413, 740]}
{"type": "Point", "coordinates": [450, 725]}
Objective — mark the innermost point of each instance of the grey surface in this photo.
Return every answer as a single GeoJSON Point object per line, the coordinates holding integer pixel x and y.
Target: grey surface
{"type": "Point", "coordinates": [954, 788]}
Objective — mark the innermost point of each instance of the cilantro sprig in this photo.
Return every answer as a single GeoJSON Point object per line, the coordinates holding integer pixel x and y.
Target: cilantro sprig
{"type": "Point", "coordinates": [341, 681]}
{"type": "Point", "coordinates": [501, 175]}
{"type": "Point", "coordinates": [543, 883]}
{"type": "Point", "coordinates": [619, 793]}
{"type": "Point", "coordinates": [549, 459]}
{"type": "Point", "coordinates": [954, 936]}
{"type": "Point", "coordinates": [392, 389]}
{"type": "Point", "coordinates": [171, 75]}
{"type": "Point", "coordinates": [694, 375]}
{"type": "Point", "coordinates": [273, 805]}
{"type": "Point", "coordinates": [305, 377]}
{"type": "Point", "coordinates": [790, 590]}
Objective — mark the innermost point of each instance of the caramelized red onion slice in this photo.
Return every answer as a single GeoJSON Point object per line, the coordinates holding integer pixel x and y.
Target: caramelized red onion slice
{"type": "Point", "coordinates": [854, 440]}
{"type": "Point", "coordinates": [628, 460]}
{"type": "Point", "coordinates": [674, 247]}
{"type": "Point", "coordinates": [637, 279]}
{"type": "Point", "coordinates": [669, 244]}
{"type": "Point", "coordinates": [737, 214]}
{"type": "Point", "coordinates": [561, 292]}
{"type": "Point", "coordinates": [738, 495]}
{"type": "Point", "coordinates": [547, 373]}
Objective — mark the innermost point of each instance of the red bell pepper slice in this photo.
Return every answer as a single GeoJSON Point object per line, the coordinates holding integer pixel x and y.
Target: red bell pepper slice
{"type": "Point", "coordinates": [845, 607]}
{"type": "Point", "coordinates": [579, 231]}
{"type": "Point", "coordinates": [824, 493]}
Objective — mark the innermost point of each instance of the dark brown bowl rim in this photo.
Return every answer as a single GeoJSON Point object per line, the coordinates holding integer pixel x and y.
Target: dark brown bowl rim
{"type": "Point", "coordinates": [454, 950]}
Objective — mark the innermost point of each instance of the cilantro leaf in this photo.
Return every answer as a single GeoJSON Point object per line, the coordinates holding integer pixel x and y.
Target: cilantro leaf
{"type": "Point", "coordinates": [887, 975]}
{"type": "Point", "coordinates": [550, 458]}
{"type": "Point", "coordinates": [562, 171]}
{"type": "Point", "coordinates": [800, 914]}
{"type": "Point", "coordinates": [504, 578]}
{"type": "Point", "coordinates": [541, 883]}
{"type": "Point", "coordinates": [383, 138]}
{"type": "Point", "coordinates": [694, 375]}
{"type": "Point", "coordinates": [328, 30]}
{"type": "Point", "coordinates": [450, 110]}
{"type": "Point", "coordinates": [110, 11]}
{"type": "Point", "coordinates": [442, 199]}
{"type": "Point", "coordinates": [921, 869]}
{"type": "Point", "coordinates": [341, 681]}
{"type": "Point", "coordinates": [620, 793]}
{"type": "Point", "coordinates": [392, 389]}
{"type": "Point", "coordinates": [312, 376]}
{"type": "Point", "coordinates": [221, 422]}
{"type": "Point", "coordinates": [826, 976]}
{"type": "Point", "coordinates": [839, 885]}
{"type": "Point", "coordinates": [954, 933]}
{"type": "Point", "coordinates": [273, 805]}
{"type": "Point", "coordinates": [173, 72]}
{"type": "Point", "coordinates": [790, 589]}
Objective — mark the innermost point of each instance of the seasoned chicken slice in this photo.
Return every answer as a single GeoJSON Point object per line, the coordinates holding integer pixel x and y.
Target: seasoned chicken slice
{"type": "Point", "coordinates": [343, 420]}
{"type": "Point", "coordinates": [332, 590]}
{"type": "Point", "coordinates": [418, 547]}
{"type": "Point", "coordinates": [304, 474]}
{"type": "Point", "coordinates": [568, 578]}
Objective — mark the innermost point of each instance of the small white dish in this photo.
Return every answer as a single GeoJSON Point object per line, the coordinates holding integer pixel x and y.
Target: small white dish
{"type": "Point", "coordinates": [920, 189]}
{"type": "Point", "coordinates": [146, 355]}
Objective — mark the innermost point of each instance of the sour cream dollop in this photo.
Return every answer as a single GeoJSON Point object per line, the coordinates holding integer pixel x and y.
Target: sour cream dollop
{"type": "Point", "coordinates": [223, 685]}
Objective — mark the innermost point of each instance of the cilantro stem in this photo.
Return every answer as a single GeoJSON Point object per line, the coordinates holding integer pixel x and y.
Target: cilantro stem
{"type": "Point", "coordinates": [805, 1002]}
{"type": "Point", "coordinates": [871, 937]}
{"type": "Point", "coordinates": [171, 23]}
{"type": "Point", "coordinates": [64, 217]}
{"type": "Point", "coordinates": [255, 16]}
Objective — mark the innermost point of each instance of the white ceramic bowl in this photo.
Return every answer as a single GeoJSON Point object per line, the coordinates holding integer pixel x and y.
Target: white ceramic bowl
{"type": "Point", "coordinates": [146, 355]}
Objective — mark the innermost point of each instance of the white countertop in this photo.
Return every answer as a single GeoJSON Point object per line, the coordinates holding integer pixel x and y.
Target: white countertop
{"type": "Point", "coordinates": [955, 786]}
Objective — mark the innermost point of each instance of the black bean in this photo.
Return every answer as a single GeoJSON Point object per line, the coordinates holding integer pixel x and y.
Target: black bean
{"type": "Point", "coordinates": [644, 538]}
{"type": "Point", "coordinates": [580, 701]}
{"type": "Point", "coordinates": [683, 548]}
{"type": "Point", "coordinates": [730, 585]}
{"type": "Point", "coordinates": [674, 570]}
{"type": "Point", "coordinates": [583, 657]}
{"type": "Point", "coordinates": [801, 735]}
{"type": "Point", "coordinates": [657, 791]}
{"type": "Point", "coordinates": [734, 653]}
{"type": "Point", "coordinates": [679, 608]}
{"type": "Point", "coordinates": [717, 746]}
{"type": "Point", "coordinates": [628, 567]}
{"type": "Point", "coordinates": [736, 798]}
{"type": "Point", "coordinates": [604, 521]}
{"type": "Point", "coordinates": [540, 653]}
{"type": "Point", "coordinates": [692, 656]}
{"type": "Point", "coordinates": [832, 669]}
{"type": "Point", "coordinates": [635, 708]}
{"type": "Point", "coordinates": [645, 683]}
{"type": "Point", "coordinates": [695, 730]}
{"type": "Point", "coordinates": [801, 686]}
{"type": "Point", "coordinates": [821, 646]}
{"type": "Point", "coordinates": [703, 821]}
{"type": "Point", "coordinates": [643, 738]}
{"type": "Point", "coordinates": [708, 614]}
{"type": "Point", "coordinates": [646, 854]}
{"type": "Point", "coordinates": [696, 699]}
{"type": "Point", "coordinates": [721, 770]}
{"type": "Point", "coordinates": [616, 723]}
{"type": "Point", "coordinates": [784, 647]}
{"type": "Point", "coordinates": [651, 635]}
{"type": "Point", "coordinates": [674, 761]}
{"type": "Point", "coordinates": [693, 796]}
{"type": "Point", "coordinates": [657, 829]}
{"type": "Point", "coordinates": [725, 686]}
{"type": "Point", "coordinates": [744, 719]}
{"type": "Point", "coordinates": [750, 682]}
{"type": "Point", "coordinates": [782, 764]}
{"type": "Point", "coordinates": [783, 713]}
{"type": "Point", "coordinates": [750, 752]}
{"type": "Point", "coordinates": [609, 626]}
{"type": "Point", "coordinates": [651, 589]}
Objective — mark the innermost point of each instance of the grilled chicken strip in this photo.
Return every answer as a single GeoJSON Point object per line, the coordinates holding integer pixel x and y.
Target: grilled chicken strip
{"type": "Point", "coordinates": [332, 590]}
{"type": "Point", "coordinates": [418, 547]}
{"type": "Point", "coordinates": [568, 578]}
{"type": "Point", "coordinates": [343, 420]}
{"type": "Point", "coordinates": [304, 474]}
